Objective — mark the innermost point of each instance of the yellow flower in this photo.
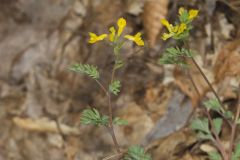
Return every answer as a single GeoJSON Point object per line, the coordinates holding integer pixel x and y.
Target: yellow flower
{"type": "Point", "coordinates": [192, 14]}
{"type": "Point", "coordinates": [166, 24]}
{"type": "Point", "coordinates": [165, 36]}
{"type": "Point", "coordinates": [136, 38]}
{"type": "Point", "coordinates": [121, 25]}
{"type": "Point", "coordinates": [181, 10]}
{"type": "Point", "coordinates": [173, 30]}
{"type": "Point", "coordinates": [112, 34]}
{"type": "Point", "coordinates": [94, 38]}
{"type": "Point", "coordinates": [181, 28]}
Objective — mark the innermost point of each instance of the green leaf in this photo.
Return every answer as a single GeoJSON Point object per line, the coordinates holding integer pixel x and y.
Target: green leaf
{"type": "Point", "coordinates": [213, 104]}
{"type": "Point", "coordinates": [228, 115]}
{"type": "Point", "coordinates": [92, 116]}
{"type": "Point", "coordinates": [114, 87]}
{"type": "Point", "coordinates": [217, 122]}
{"type": "Point", "coordinates": [236, 154]}
{"type": "Point", "coordinates": [118, 64]}
{"type": "Point", "coordinates": [184, 17]}
{"type": "Point", "coordinates": [118, 121]}
{"type": "Point", "coordinates": [205, 136]}
{"type": "Point", "coordinates": [87, 69]}
{"type": "Point", "coordinates": [136, 153]}
{"type": "Point", "coordinates": [238, 121]}
{"type": "Point", "coordinates": [175, 55]}
{"type": "Point", "coordinates": [214, 156]}
{"type": "Point", "coordinates": [201, 125]}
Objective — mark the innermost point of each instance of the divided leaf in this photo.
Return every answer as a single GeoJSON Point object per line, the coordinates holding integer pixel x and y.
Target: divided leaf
{"type": "Point", "coordinates": [87, 69]}
{"type": "Point", "coordinates": [114, 87]}
{"type": "Point", "coordinates": [213, 104]}
{"type": "Point", "coordinates": [201, 125]}
{"type": "Point", "coordinates": [236, 154]}
{"type": "Point", "coordinates": [136, 153]}
{"type": "Point", "coordinates": [175, 55]}
{"type": "Point", "coordinates": [217, 122]}
{"type": "Point", "coordinates": [214, 156]}
{"type": "Point", "coordinates": [92, 116]}
{"type": "Point", "coordinates": [120, 122]}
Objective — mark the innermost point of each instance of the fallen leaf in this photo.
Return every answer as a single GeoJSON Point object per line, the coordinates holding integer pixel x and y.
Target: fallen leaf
{"type": "Point", "coordinates": [44, 125]}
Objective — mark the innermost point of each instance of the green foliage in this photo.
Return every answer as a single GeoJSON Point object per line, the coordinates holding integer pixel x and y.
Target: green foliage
{"type": "Point", "coordinates": [214, 156]}
{"type": "Point", "coordinates": [236, 154]}
{"type": "Point", "coordinates": [184, 17]}
{"type": "Point", "coordinates": [175, 55]}
{"type": "Point", "coordinates": [136, 153]}
{"type": "Point", "coordinates": [120, 122]}
{"type": "Point", "coordinates": [228, 114]}
{"type": "Point", "coordinates": [92, 116]}
{"type": "Point", "coordinates": [213, 104]}
{"type": "Point", "coordinates": [87, 69]}
{"type": "Point", "coordinates": [118, 64]}
{"type": "Point", "coordinates": [217, 122]}
{"type": "Point", "coordinates": [202, 127]}
{"type": "Point", "coordinates": [114, 87]}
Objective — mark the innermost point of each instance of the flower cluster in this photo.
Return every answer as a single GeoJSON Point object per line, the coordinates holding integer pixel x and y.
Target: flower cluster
{"type": "Point", "coordinates": [180, 30]}
{"type": "Point", "coordinates": [114, 36]}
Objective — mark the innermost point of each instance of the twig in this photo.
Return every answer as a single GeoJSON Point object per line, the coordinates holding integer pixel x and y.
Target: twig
{"type": "Point", "coordinates": [234, 126]}
{"type": "Point", "coordinates": [206, 79]}
{"type": "Point", "coordinates": [110, 127]}
{"type": "Point", "coordinates": [217, 139]}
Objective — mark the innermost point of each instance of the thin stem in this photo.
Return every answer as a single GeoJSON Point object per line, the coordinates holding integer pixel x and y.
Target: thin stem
{"type": "Point", "coordinates": [102, 87]}
{"type": "Point", "coordinates": [111, 124]}
{"type": "Point", "coordinates": [217, 140]}
{"type": "Point", "coordinates": [110, 127]}
{"type": "Point", "coordinates": [234, 127]}
{"type": "Point", "coordinates": [193, 83]}
{"type": "Point", "coordinates": [205, 78]}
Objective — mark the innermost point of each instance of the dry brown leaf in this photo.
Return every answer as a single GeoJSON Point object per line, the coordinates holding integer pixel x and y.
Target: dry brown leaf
{"type": "Point", "coordinates": [184, 83]}
{"type": "Point", "coordinates": [44, 125]}
{"type": "Point", "coordinates": [156, 99]}
{"type": "Point", "coordinates": [154, 11]}
{"type": "Point", "coordinates": [228, 61]}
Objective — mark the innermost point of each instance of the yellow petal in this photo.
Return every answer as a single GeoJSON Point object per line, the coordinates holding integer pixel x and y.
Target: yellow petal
{"type": "Point", "coordinates": [121, 25]}
{"type": "Point", "coordinates": [129, 37]}
{"type": "Point", "coordinates": [193, 13]}
{"type": "Point", "coordinates": [94, 38]}
{"type": "Point", "coordinates": [167, 25]}
{"type": "Point", "coordinates": [138, 35]}
{"type": "Point", "coordinates": [175, 28]}
{"type": "Point", "coordinates": [112, 34]}
{"type": "Point", "coordinates": [165, 36]}
{"type": "Point", "coordinates": [101, 37]}
{"type": "Point", "coordinates": [139, 42]}
{"type": "Point", "coordinates": [181, 28]}
{"type": "Point", "coordinates": [181, 10]}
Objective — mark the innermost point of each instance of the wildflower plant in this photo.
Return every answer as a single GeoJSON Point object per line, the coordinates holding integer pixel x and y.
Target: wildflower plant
{"type": "Point", "coordinates": [91, 116]}
{"type": "Point", "coordinates": [207, 128]}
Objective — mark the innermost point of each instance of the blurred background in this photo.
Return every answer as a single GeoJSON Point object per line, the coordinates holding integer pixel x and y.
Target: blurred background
{"type": "Point", "coordinates": [41, 100]}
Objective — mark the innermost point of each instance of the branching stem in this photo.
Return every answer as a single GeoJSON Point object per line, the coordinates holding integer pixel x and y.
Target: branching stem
{"type": "Point", "coordinates": [110, 127]}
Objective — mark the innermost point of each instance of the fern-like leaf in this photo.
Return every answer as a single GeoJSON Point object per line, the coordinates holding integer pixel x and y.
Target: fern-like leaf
{"type": "Point", "coordinates": [136, 153]}
{"type": "Point", "coordinates": [87, 69]}
{"type": "Point", "coordinates": [114, 87]}
{"type": "Point", "coordinates": [92, 116]}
